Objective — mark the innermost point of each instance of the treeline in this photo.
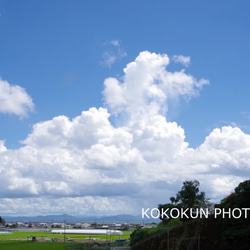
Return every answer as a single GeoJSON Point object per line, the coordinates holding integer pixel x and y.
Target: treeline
{"type": "Point", "coordinates": [229, 229]}
{"type": "Point", "coordinates": [2, 221]}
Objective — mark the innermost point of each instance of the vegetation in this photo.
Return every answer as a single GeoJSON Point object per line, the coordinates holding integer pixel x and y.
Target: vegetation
{"type": "Point", "coordinates": [29, 245]}
{"type": "Point", "coordinates": [187, 198]}
{"type": "Point", "coordinates": [23, 235]}
{"type": "Point", "coordinates": [236, 231]}
{"type": "Point", "coordinates": [202, 233]}
{"type": "Point", "coordinates": [2, 221]}
{"type": "Point", "coordinates": [182, 236]}
{"type": "Point", "coordinates": [46, 240]}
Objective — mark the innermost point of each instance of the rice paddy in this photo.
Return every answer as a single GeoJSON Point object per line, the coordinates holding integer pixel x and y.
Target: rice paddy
{"type": "Point", "coordinates": [47, 240]}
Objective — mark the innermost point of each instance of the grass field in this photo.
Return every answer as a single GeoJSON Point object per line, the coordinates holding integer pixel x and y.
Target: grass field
{"type": "Point", "coordinates": [29, 245]}
{"type": "Point", "coordinates": [45, 235]}
{"type": "Point", "coordinates": [48, 241]}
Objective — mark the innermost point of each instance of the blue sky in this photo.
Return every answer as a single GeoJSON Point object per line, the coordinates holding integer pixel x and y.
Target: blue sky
{"type": "Point", "coordinates": [62, 58]}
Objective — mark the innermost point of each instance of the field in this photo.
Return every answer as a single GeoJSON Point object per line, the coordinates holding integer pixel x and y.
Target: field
{"type": "Point", "coordinates": [29, 245]}
{"type": "Point", "coordinates": [47, 241]}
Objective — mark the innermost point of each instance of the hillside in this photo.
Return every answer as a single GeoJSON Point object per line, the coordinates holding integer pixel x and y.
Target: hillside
{"type": "Point", "coordinates": [229, 230]}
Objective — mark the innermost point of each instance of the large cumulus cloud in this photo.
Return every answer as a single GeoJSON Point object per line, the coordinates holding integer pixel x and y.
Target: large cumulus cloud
{"type": "Point", "coordinates": [132, 162]}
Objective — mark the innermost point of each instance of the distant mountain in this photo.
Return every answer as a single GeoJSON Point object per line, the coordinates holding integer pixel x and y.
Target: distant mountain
{"type": "Point", "coordinates": [45, 218]}
{"type": "Point", "coordinates": [122, 218]}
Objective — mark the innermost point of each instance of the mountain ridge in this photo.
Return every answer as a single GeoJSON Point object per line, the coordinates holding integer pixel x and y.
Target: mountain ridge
{"type": "Point", "coordinates": [120, 218]}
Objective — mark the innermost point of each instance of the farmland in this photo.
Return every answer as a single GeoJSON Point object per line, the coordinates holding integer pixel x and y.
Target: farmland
{"type": "Point", "coordinates": [46, 240]}
{"type": "Point", "coordinates": [29, 245]}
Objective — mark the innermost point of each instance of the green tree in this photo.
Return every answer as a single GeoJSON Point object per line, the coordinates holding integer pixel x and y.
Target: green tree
{"type": "Point", "coordinates": [188, 198]}
{"type": "Point", "coordinates": [2, 221]}
{"type": "Point", "coordinates": [236, 231]}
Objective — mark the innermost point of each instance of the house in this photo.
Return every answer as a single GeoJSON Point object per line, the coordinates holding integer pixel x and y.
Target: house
{"type": "Point", "coordinates": [2, 227]}
{"type": "Point", "coordinates": [115, 226]}
{"type": "Point", "coordinates": [42, 225]}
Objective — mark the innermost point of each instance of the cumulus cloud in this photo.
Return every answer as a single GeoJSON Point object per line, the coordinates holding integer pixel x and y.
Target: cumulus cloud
{"type": "Point", "coordinates": [91, 164]}
{"type": "Point", "coordinates": [232, 148]}
{"type": "Point", "coordinates": [14, 100]}
{"type": "Point", "coordinates": [148, 86]}
{"type": "Point", "coordinates": [2, 147]}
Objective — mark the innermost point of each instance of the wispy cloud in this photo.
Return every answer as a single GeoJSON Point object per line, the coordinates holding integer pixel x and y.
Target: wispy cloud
{"type": "Point", "coordinates": [115, 43]}
{"type": "Point", "coordinates": [113, 53]}
{"type": "Point", "coordinates": [184, 60]}
{"type": "Point", "coordinates": [245, 114]}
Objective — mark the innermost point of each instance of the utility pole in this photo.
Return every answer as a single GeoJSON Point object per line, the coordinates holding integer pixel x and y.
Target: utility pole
{"type": "Point", "coordinates": [64, 229]}
{"type": "Point", "coordinates": [199, 241]}
{"type": "Point", "coordinates": [168, 237]}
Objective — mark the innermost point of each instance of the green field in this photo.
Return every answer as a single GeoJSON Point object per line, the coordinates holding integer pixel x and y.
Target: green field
{"type": "Point", "coordinates": [47, 241]}
{"type": "Point", "coordinates": [24, 235]}
{"type": "Point", "coordinates": [29, 245]}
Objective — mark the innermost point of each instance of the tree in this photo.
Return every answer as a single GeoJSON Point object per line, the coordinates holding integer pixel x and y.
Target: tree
{"type": "Point", "coordinates": [236, 231]}
{"type": "Point", "coordinates": [242, 194]}
{"type": "Point", "coordinates": [238, 199]}
{"type": "Point", "coordinates": [2, 221]}
{"type": "Point", "coordinates": [188, 198]}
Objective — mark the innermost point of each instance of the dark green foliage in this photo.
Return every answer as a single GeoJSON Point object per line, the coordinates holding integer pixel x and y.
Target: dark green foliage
{"type": "Point", "coordinates": [29, 245]}
{"type": "Point", "coordinates": [188, 197]}
{"type": "Point", "coordinates": [138, 235]}
{"type": "Point", "coordinates": [2, 221]}
{"type": "Point", "coordinates": [182, 237]}
{"type": "Point", "coordinates": [174, 223]}
{"type": "Point", "coordinates": [207, 233]}
{"type": "Point", "coordinates": [236, 232]}
{"type": "Point", "coordinates": [164, 207]}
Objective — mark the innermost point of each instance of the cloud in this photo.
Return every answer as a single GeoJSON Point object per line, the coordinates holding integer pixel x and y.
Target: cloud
{"type": "Point", "coordinates": [232, 148]}
{"type": "Point", "coordinates": [14, 100]}
{"type": "Point", "coordinates": [2, 147]}
{"type": "Point", "coordinates": [109, 58]}
{"type": "Point", "coordinates": [148, 86]}
{"type": "Point", "coordinates": [89, 165]}
{"type": "Point", "coordinates": [115, 43]}
{"type": "Point", "coordinates": [184, 60]}
{"type": "Point", "coordinates": [113, 54]}
{"type": "Point", "coordinates": [245, 114]}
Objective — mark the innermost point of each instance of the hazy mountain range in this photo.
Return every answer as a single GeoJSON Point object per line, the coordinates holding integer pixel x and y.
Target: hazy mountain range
{"type": "Point", "coordinates": [122, 218]}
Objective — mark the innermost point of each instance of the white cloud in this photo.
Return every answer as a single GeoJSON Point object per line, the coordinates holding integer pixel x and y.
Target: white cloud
{"type": "Point", "coordinates": [2, 147]}
{"type": "Point", "coordinates": [91, 165]}
{"type": "Point", "coordinates": [184, 60]}
{"type": "Point", "coordinates": [116, 91]}
{"type": "Point", "coordinates": [14, 100]}
{"type": "Point", "coordinates": [109, 58]}
{"type": "Point", "coordinates": [229, 148]}
{"type": "Point", "coordinates": [115, 42]}
{"type": "Point", "coordinates": [148, 86]}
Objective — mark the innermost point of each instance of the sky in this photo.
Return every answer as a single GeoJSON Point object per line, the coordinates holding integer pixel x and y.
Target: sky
{"type": "Point", "coordinates": [107, 107]}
